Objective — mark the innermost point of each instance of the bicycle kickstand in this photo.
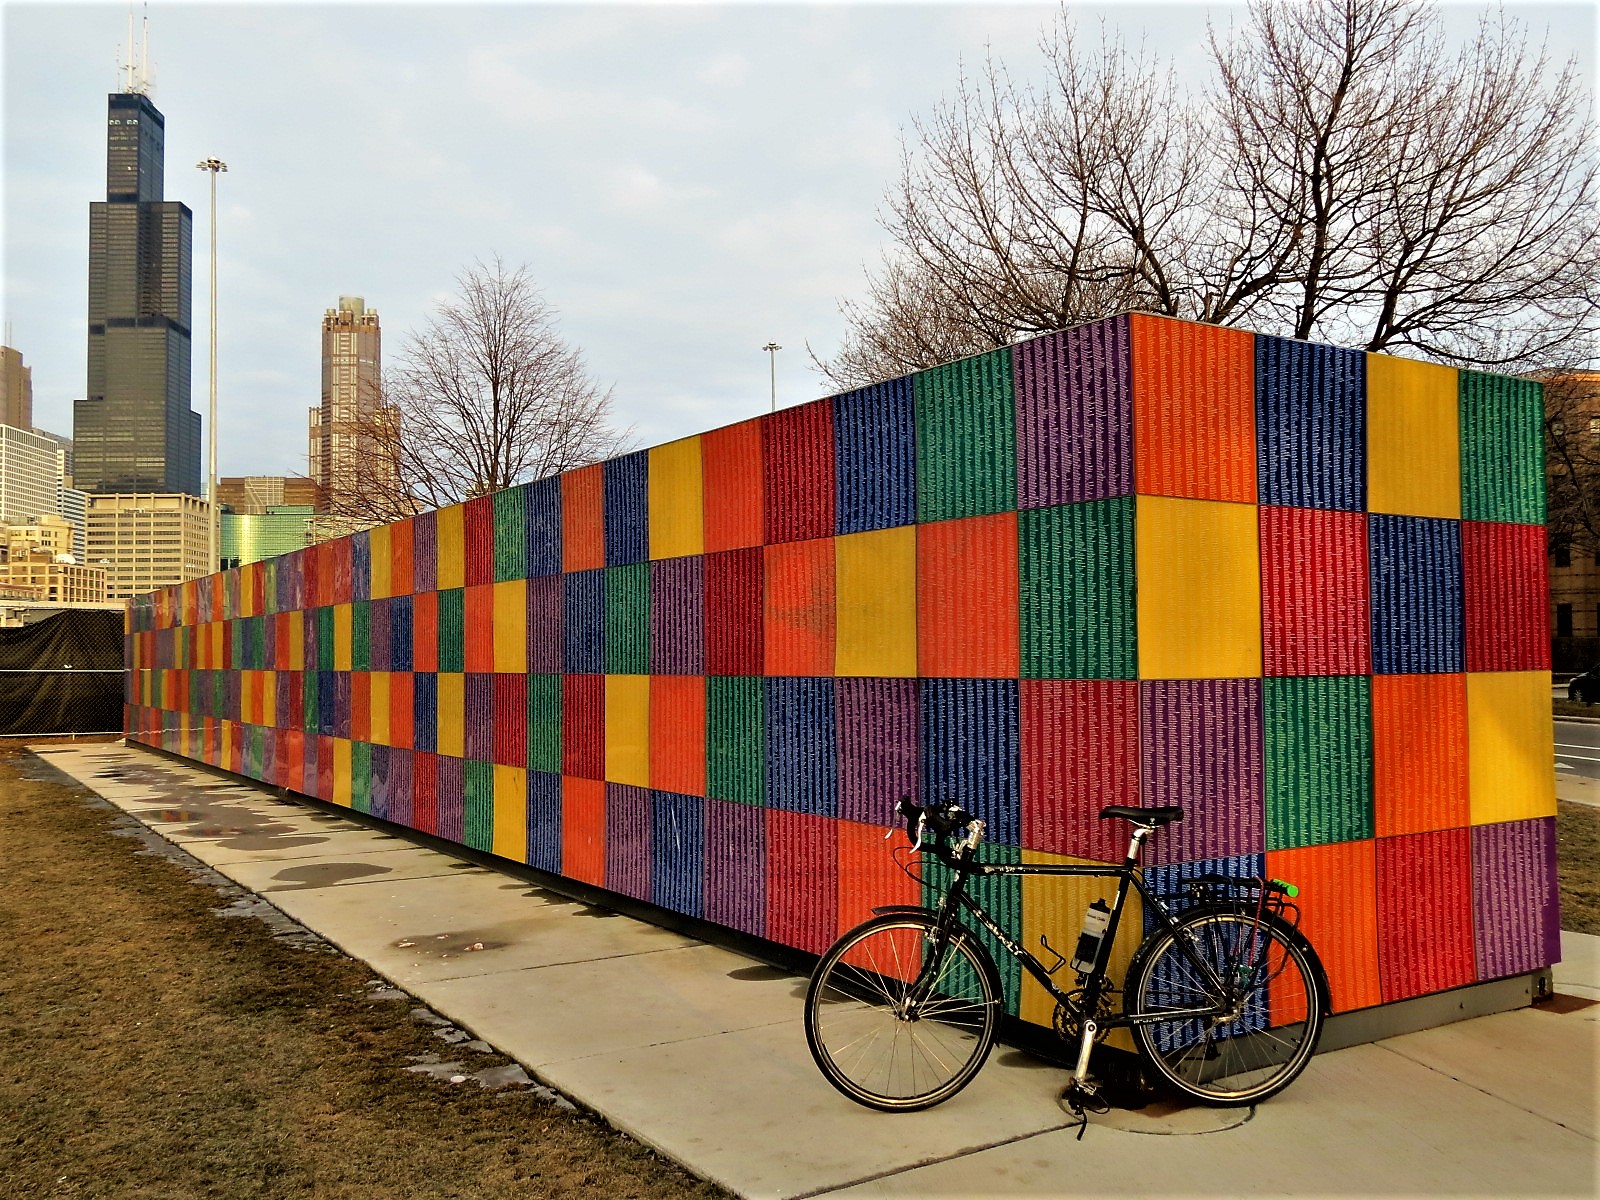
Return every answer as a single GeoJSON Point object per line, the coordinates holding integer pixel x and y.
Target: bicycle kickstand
{"type": "Point", "coordinates": [1082, 1095]}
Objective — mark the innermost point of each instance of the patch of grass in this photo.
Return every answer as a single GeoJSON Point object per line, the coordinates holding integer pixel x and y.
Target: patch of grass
{"type": "Point", "coordinates": [1578, 866]}
{"type": "Point", "coordinates": [151, 1049]}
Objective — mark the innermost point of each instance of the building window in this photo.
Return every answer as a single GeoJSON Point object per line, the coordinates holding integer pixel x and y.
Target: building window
{"type": "Point", "coordinates": [1562, 554]}
{"type": "Point", "coordinates": [1563, 620]}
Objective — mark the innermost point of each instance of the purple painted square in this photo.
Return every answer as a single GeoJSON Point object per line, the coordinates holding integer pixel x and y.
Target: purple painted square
{"type": "Point", "coordinates": [544, 625]}
{"type": "Point", "coordinates": [399, 806]}
{"type": "Point", "coordinates": [1201, 747]}
{"type": "Point", "coordinates": [1515, 906]}
{"type": "Point", "coordinates": [452, 787]}
{"type": "Point", "coordinates": [877, 739]}
{"type": "Point", "coordinates": [378, 781]}
{"type": "Point", "coordinates": [1075, 415]}
{"type": "Point", "coordinates": [736, 866]}
{"type": "Point", "coordinates": [424, 552]}
{"type": "Point", "coordinates": [478, 694]}
{"type": "Point", "coordinates": [628, 840]}
{"type": "Point", "coordinates": [677, 616]}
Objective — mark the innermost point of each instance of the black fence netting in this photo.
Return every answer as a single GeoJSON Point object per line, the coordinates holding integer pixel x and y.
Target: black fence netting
{"type": "Point", "coordinates": [62, 675]}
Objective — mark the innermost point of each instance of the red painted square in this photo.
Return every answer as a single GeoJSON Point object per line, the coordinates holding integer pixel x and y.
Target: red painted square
{"type": "Point", "coordinates": [733, 612]}
{"type": "Point", "coordinates": [425, 631]}
{"type": "Point", "coordinates": [477, 517]}
{"type": "Point", "coordinates": [802, 880]}
{"type": "Point", "coordinates": [967, 598]}
{"type": "Point", "coordinates": [583, 830]}
{"type": "Point", "coordinates": [798, 625]}
{"type": "Point", "coordinates": [1425, 913]}
{"type": "Point", "coordinates": [798, 476]}
{"type": "Point", "coordinates": [1505, 569]}
{"type": "Point", "coordinates": [1316, 608]}
{"type": "Point", "coordinates": [424, 792]}
{"type": "Point", "coordinates": [583, 723]}
{"type": "Point", "coordinates": [511, 720]}
{"type": "Point", "coordinates": [678, 734]}
{"type": "Point", "coordinates": [1080, 752]}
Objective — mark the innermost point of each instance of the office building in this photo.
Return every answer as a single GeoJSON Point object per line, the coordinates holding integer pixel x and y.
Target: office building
{"type": "Point", "coordinates": [134, 430]}
{"type": "Point", "coordinates": [30, 475]}
{"type": "Point", "coordinates": [341, 441]}
{"type": "Point", "coordinates": [250, 537]}
{"type": "Point", "coordinates": [256, 494]}
{"type": "Point", "coordinates": [16, 398]}
{"type": "Point", "coordinates": [147, 540]}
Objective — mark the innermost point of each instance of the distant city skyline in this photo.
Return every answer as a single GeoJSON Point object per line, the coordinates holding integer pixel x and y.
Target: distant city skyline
{"type": "Point", "coordinates": [686, 183]}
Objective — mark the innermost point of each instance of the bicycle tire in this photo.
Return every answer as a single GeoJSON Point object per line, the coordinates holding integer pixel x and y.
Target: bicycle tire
{"type": "Point", "coordinates": [1268, 1036]}
{"type": "Point", "coordinates": [868, 1045]}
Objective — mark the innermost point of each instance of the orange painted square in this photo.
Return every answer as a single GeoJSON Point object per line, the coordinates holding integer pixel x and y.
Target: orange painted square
{"type": "Point", "coordinates": [401, 713]}
{"type": "Point", "coordinates": [799, 621]}
{"type": "Point", "coordinates": [967, 598]}
{"type": "Point", "coordinates": [583, 829]}
{"type": "Point", "coordinates": [1419, 753]}
{"type": "Point", "coordinates": [583, 542]}
{"type": "Point", "coordinates": [1338, 914]}
{"type": "Point", "coordinates": [401, 553]}
{"type": "Point", "coordinates": [678, 734]}
{"type": "Point", "coordinates": [477, 621]}
{"type": "Point", "coordinates": [731, 471]}
{"type": "Point", "coordinates": [1194, 410]}
{"type": "Point", "coordinates": [868, 873]}
{"type": "Point", "coordinates": [360, 706]}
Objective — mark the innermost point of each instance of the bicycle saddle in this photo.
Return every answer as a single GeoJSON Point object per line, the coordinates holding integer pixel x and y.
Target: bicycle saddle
{"type": "Point", "coordinates": [1150, 818]}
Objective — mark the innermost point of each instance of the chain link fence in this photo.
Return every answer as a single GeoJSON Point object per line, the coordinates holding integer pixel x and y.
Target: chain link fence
{"type": "Point", "coordinates": [62, 675]}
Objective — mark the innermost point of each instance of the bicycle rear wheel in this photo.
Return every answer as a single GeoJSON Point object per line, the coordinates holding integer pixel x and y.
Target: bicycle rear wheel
{"type": "Point", "coordinates": [893, 1023]}
{"type": "Point", "coordinates": [1263, 1026]}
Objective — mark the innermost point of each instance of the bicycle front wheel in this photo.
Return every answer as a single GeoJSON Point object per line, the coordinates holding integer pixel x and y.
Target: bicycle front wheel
{"type": "Point", "coordinates": [898, 1018]}
{"type": "Point", "coordinates": [1243, 1041]}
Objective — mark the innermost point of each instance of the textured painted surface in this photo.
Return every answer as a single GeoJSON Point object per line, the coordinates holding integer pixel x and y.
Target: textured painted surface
{"type": "Point", "coordinates": [1139, 562]}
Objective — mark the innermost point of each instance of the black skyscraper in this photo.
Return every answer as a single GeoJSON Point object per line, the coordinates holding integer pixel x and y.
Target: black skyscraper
{"type": "Point", "coordinates": [134, 430]}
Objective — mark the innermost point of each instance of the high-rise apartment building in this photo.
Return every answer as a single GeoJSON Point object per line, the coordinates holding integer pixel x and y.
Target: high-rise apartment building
{"type": "Point", "coordinates": [16, 400]}
{"type": "Point", "coordinates": [148, 541]}
{"type": "Point", "coordinates": [30, 475]}
{"type": "Point", "coordinates": [134, 430]}
{"type": "Point", "coordinates": [342, 444]}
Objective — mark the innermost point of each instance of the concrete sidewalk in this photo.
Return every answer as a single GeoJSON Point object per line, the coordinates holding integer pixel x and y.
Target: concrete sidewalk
{"type": "Point", "coordinates": [700, 1052]}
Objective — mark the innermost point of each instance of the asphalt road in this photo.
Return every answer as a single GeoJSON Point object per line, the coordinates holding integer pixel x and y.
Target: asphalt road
{"type": "Point", "coordinates": [1578, 748]}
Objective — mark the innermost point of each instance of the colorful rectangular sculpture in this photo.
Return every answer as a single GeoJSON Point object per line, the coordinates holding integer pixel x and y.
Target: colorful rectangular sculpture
{"type": "Point", "coordinates": [1299, 590]}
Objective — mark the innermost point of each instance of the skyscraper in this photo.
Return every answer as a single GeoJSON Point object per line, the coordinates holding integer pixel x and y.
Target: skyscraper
{"type": "Point", "coordinates": [16, 390]}
{"type": "Point", "coordinates": [134, 430]}
{"type": "Point", "coordinates": [342, 441]}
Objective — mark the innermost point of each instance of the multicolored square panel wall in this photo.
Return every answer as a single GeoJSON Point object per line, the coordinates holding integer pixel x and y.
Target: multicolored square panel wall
{"type": "Point", "coordinates": [1297, 589]}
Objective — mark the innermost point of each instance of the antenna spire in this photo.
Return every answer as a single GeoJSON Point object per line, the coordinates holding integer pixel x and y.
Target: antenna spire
{"type": "Point", "coordinates": [137, 67]}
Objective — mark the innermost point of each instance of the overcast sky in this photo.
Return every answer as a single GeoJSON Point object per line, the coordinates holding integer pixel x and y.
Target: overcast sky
{"type": "Point", "coordinates": [686, 183]}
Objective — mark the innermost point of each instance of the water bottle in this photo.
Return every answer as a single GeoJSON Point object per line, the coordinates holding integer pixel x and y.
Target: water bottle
{"type": "Point", "coordinates": [1095, 922]}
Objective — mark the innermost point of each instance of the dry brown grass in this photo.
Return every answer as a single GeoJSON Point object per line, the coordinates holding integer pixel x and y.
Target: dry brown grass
{"type": "Point", "coordinates": [1578, 866]}
{"type": "Point", "coordinates": [149, 1048]}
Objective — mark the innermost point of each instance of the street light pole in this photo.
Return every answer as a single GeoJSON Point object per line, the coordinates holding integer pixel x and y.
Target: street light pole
{"type": "Point", "coordinates": [212, 166]}
{"type": "Point", "coordinates": [772, 349]}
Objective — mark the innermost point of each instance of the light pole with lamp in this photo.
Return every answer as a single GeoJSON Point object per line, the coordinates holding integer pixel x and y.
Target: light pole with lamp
{"type": "Point", "coordinates": [772, 349]}
{"type": "Point", "coordinates": [212, 166]}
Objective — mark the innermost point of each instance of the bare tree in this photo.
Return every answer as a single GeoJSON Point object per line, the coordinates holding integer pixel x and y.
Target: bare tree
{"type": "Point", "coordinates": [1572, 456]}
{"type": "Point", "coordinates": [487, 395]}
{"type": "Point", "coordinates": [1344, 179]}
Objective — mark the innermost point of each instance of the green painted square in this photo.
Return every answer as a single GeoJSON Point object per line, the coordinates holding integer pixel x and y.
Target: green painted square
{"type": "Point", "coordinates": [627, 592]}
{"type": "Point", "coordinates": [477, 806]}
{"type": "Point", "coordinates": [1001, 897]}
{"type": "Point", "coordinates": [269, 586]}
{"type": "Point", "coordinates": [1502, 449]}
{"type": "Point", "coordinates": [966, 438]}
{"type": "Point", "coordinates": [361, 776]}
{"type": "Point", "coordinates": [308, 701]}
{"type": "Point", "coordinates": [736, 738]}
{"type": "Point", "coordinates": [325, 639]}
{"type": "Point", "coordinates": [361, 635]}
{"type": "Point", "coordinates": [544, 723]}
{"type": "Point", "coordinates": [452, 630]}
{"type": "Point", "coordinates": [1318, 735]}
{"type": "Point", "coordinates": [1077, 591]}
{"type": "Point", "coordinates": [510, 546]}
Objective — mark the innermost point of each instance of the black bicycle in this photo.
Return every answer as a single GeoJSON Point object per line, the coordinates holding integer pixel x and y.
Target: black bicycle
{"type": "Point", "coordinates": [1224, 1000]}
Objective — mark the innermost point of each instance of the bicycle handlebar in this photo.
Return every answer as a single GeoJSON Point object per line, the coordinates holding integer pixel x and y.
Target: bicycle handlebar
{"type": "Point", "coordinates": [943, 817]}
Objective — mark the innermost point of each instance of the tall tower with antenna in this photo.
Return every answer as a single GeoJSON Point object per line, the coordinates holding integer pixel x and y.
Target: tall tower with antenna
{"type": "Point", "coordinates": [134, 430]}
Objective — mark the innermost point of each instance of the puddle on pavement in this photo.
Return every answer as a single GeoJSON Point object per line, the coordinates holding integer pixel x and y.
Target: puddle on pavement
{"type": "Point", "coordinates": [321, 875]}
{"type": "Point", "coordinates": [233, 826]}
{"type": "Point", "coordinates": [448, 945]}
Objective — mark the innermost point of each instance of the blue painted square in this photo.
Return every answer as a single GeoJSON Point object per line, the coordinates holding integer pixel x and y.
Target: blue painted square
{"type": "Point", "coordinates": [802, 751]}
{"type": "Point", "coordinates": [541, 526]}
{"type": "Point", "coordinates": [583, 622]}
{"type": "Point", "coordinates": [970, 750]}
{"type": "Point", "coordinates": [425, 711]}
{"type": "Point", "coordinates": [400, 633]}
{"type": "Point", "coordinates": [1311, 425]}
{"type": "Point", "coordinates": [1168, 881]}
{"type": "Point", "coordinates": [1417, 624]}
{"type": "Point", "coordinates": [627, 507]}
{"type": "Point", "coordinates": [875, 457]}
{"type": "Point", "coordinates": [544, 821]}
{"type": "Point", "coordinates": [677, 852]}
{"type": "Point", "coordinates": [361, 565]}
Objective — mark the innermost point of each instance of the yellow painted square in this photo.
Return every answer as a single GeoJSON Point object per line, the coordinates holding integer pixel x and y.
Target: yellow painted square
{"type": "Point", "coordinates": [450, 544]}
{"type": "Point", "coordinates": [1413, 438]}
{"type": "Point", "coordinates": [269, 699]}
{"type": "Point", "coordinates": [875, 580]}
{"type": "Point", "coordinates": [511, 813]}
{"type": "Point", "coordinates": [1053, 906]}
{"type": "Point", "coordinates": [297, 643]}
{"type": "Point", "coordinates": [628, 729]}
{"type": "Point", "coordinates": [452, 714]}
{"type": "Point", "coordinates": [378, 709]}
{"type": "Point", "coordinates": [676, 495]}
{"type": "Point", "coordinates": [1199, 589]}
{"type": "Point", "coordinates": [511, 627]}
{"type": "Point", "coordinates": [225, 741]}
{"type": "Point", "coordinates": [216, 646]}
{"type": "Point", "coordinates": [1510, 746]}
{"type": "Point", "coordinates": [341, 637]}
{"type": "Point", "coordinates": [378, 541]}
{"type": "Point", "coordinates": [341, 772]}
